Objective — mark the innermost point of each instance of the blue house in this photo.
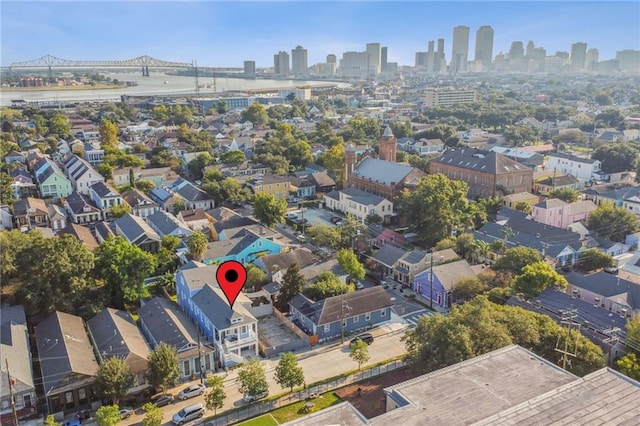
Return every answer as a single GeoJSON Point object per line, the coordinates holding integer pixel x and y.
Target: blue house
{"type": "Point", "coordinates": [444, 278]}
{"type": "Point", "coordinates": [357, 311]}
{"type": "Point", "coordinates": [233, 332]}
{"type": "Point", "coordinates": [244, 249]}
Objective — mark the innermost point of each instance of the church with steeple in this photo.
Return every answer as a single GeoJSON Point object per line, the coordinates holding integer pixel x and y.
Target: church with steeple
{"type": "Point", "coordinates": [381, 176]}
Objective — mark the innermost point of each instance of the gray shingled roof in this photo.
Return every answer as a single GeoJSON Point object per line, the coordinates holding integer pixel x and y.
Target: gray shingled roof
{"type": "Point", "coordinates": [168, 324]}
{"type": "Point", "coordinates": [78, 202]}
{"type": "Point", "coordinates": [188, 191]}
{"type": "Point", "coordinates": [136, 198]}
{"type": "Point", "coordinates": [362, 197]}
{"type": "Point", "coordinates": [359, 302]}
{"type": "Point", "coordinates": [607, 285]}
{"type": "Point", "coordinates": [64, 351]}
{"type": "Point", "coordinates": [301, 256]}
{"type": "Point", "coordinates": [197, 275]}
{"type": "Point", "coordinates": [388, 255]}
{"type": "Point", "coordinates": [116, 334]}
{"type": "Point", "coordinates": [14, 346]}
{"type": "Point", "coordinates": [133, 227]}
{"type": "Point", "coordinates": [382, 171]}
{"type": "Point", "coordinates": [229, 247]}
{"type": "Point", "coordinates": [104, 190]}
{"type": "Point", "coordinates": [166, 223]}
{"type": "Point", "coordinates": [480, 160]}
{"type": "Point", "coordinates": [571, 157]}
{"type": "Point", "coordinates": [214, 305]}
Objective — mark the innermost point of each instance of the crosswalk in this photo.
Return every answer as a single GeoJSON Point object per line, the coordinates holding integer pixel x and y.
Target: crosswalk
{"type": "Point", "coordinates": [414, 317]}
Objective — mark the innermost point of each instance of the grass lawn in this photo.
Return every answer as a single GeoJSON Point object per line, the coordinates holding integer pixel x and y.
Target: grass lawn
{"type": "Point", "coordinates": [264, 420]}
{"type": "Point", "coordinates": [293, 411]}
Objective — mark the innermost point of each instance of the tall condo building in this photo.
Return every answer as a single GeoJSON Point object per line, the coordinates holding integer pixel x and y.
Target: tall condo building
{"type": "Point", "coordinates": [421, 59]}
{"type": "Point", "coordinates": [331, 59]}
{"type": "Point", "coordinates": [383, 59]}
{"type": "Point", "coordinates": [354, 64]}
{"type": "Point", "coordinates": [628, 60]}
{"type": "Point", "coordinates": [578, 56]}
{"type": "Point", "coordinates": [439, 63]}
{"type": "Point", "coordinates": [299, 61]}
{"type": "Point", "coordinates": [250, 68]}
{"type": "Point", "coordinates": [484, 46]}
{"type": "Point", "coordinates": [460, 48]}
{"type": "Point", "coordinates": [281, 64]}
{"type": "Point", "coordinates": [592, 59]}
{"type": "Point", "coordinates": [374, 58]}
{"type": "Point", "coordinates": [431, 55]}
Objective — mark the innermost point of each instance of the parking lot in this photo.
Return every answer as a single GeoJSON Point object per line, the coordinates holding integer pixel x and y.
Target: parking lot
{"type": "Point", "coordinates": [315, 216]}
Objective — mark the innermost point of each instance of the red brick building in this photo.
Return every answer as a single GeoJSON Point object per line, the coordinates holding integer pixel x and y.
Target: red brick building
{"type": "Point", "coordinates": [487, 173]}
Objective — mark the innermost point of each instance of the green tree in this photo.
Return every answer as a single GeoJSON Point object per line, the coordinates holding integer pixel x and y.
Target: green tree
{"type": "Point", "coordinates": [537, 277]}
{"type": "Point", "coordinates": [59, 125]}
{"type": "Point", "coordinates": [612, 222]}
{"type": "Point", "coordinates": [106, 170]}
{"type": "Point", "coordinates": [288, 373]}
{"type": "Point", "coordinates": [113, 379]}
{"type": "Point", "coordinates": [633, 332]}
{"type": "Point", "coordinates": [629, 366]}
{"type": "Point", "coordinates": [523, 206]}
{"type": "Point", "coordinates": [197, 165]}
{"type": "Point", "coordinates": [108, 134]}
{"type": "Point", "coordinates": [215, 396]}
{"type": "Point", "coordinates": [108, 415]}
{"type": "Point", "coordinates": [163, 366]}
{"type": "Point", "coordinates": [268, 210]}
{"type": "Point", "coordinates": [256, 114]}
{"type": "Point", "coordinates": [153, 415]}
{"type": "Point", "coordinates": [401, 129]}
{"type": "Point", "coordinates": [252, 379]}
{"type": "Point", "coordinates": [145, 185]}
{"type": "Point", "coordinates": [234, 156]}
{"type": "Point", "coordinates": [618, 156]}
{"type": "Point", "coordinates": [292, 283]}
{"type": "Point", "coordinates": [6, 191]}
{"type": "Point", "coordinates": [516, 258]}
{"type": "Point", "coordinates": [197, 245]}
{"type": "Point", "coordinates": [333, 161]}
{"type": "Point", "coordinates": [123, 267]}
{"type": "Point", "coordinates": [178, 206]}
{"type": "Point", "coordinates": [50, 420]}
{"type": "Point", "coordinates": [350, 263]}
{"type": "Point", "coordinates": [324, 236]}
{"type": "Point", "coordinates": [595, 259]}
{"type": "Point", "coordinates": [359, 352]}
{"type": "Point", "coordinates": [120, 210]}
{"type": "Point", "coordinates": [467, 288]}
{"type": "Point", "coordinates": [327, 285]}
{"type": "Point", "coordinates": [437, 207]}
{"type": "Point", "coordinates": [256, 278]}
{"type": "Point", "coordinates": [232, 192]}
{"type": "Point", "coordinates": [568, 195]}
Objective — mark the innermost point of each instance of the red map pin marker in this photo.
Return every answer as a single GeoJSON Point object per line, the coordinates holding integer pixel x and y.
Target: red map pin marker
{"type": "Point", "coordinates": [231, 277]}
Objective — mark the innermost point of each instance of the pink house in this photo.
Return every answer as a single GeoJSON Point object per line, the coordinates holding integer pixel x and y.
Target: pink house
{"type": "Point", "coordinates": [561, 214]}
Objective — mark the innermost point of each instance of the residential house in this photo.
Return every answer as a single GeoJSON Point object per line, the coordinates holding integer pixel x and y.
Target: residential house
{"type": "Point", "coordinates": [276, 265]}
{"type": "Point", "coordinates": [50, 179]}
{"type": "Point", "coordinates": [93, 153]}
{"type": "Point", "coordinates": [359, 204]}
{"type": "Point", "coordinates": [57, 217]}
{"type": "Point", "coordinates": [103, 232]}
{"type": "Point", "coordinates": [82, 174]}
{"type": "Point", "coordinates": [30, 212]}
{"type": "Point", "coordinates": [620, 195]}
{"type": "Point", "coordinates": [115, 334]}
{"type": "Point", "coordinates": [486, 173]}
{"type": "Point", "coordinates": [81, 233]}
{"type": "Point", "coordinates": [379, 236]}
{"type": "Point", "coordinates": [323, 182]}
{"type": "Point", "coordinates": [402, 265]}
{"type": "Point", "coordinates": [159, 176]}
{"type": "Point", "coordinates": [585, 169]}
{"type": "Point", "coordinates": [242, 169]}
{"type": "Point", "coordinates": [68, 365]}
{"type": "Point", "coordinates": [244, 249]}
{"type": "Point", "coordinates": [607, 291]}
{"type": "Point", "coordinates": [81, 209]}
{"type": "Point", "coordinates": [236, 226]}
{"type": "Point", "coordinates": [341, 315]}
{"type": "Point", "coordinates": [551, 183]}
{"type": "Point", "coordinates": [137, 232]}
{"type": "Point", "coordinates": [22, 184]}
{"type": "Point", "coordinates": [302, 188]}
{"type": "Point", "coordinates": [436, 284]}
{"type": "Point", "coordinates": [16, 357]}
{"type": "Point", "coordinates": [191, 196]}
{"type": "Point", "coordinates": [512, 200]}
{"type": "Point", "coordinates": [141, 204]}
{"type": "Point", "coordinates": [14, 157]}
{"type": "Point", "coordinates": [6, 218]}
{"type": "Point", "coordinates": [278, 186]}
{"type": "Point", "coordinates": [196, 220]}
{"type": "Point", "coordinates": [105, 198]}
{"type": "Point", "coordinates": [612, 248]}
{"type": "Point", "coordinates": [167, 224]}
{"type": "Point", "coordinates": [561, 214]}
{"type": "Point", "coordinates": [161, 321]}
{"type": "Point", "coordinates": [310, 272]}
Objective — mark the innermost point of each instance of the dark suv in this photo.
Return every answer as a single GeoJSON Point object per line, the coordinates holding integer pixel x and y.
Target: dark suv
{"type": "Point", "coordinates": [366, 337]}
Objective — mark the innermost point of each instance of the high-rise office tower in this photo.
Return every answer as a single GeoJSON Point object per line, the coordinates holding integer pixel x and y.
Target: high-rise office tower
{"type": "Point", "coordinates": [281, 64]}
{"type": "Point", "coordinates": [421, 59]}
{"type": "Point", "coordinates": [484, 46]}
{"type": "Point", "coordinates": [439, 63]}
{"type": "Point", "coordinates": [578, 56]}
{"type": "Point", "coordinates": [250, 68]}
{"type": "Point", "coordinates": [530, 46]}
{"type": "Point", "coordinates": [628, 60]}
{"type": "Point", "coordinates": [383, 59]}
{"type": "Point", "coordinates": [460, 48]}
{"type": "Point", "coordinates": [516, 51]}
{"type": "Point", "coordinates": [331, 58]}
{"type": "Point", "coordinates": [374, 57]}
{"type": "Point", "coordinates": [299, 61]}
{"type": "Point", "coordinates": [592, 59]}
{"type": "Point", "coordinates": [429, 60]}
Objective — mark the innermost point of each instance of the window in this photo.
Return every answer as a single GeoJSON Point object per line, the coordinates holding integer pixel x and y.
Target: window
{"type": "Point", "coordinates": [82, 396]}
{"type": "Point", "coordinates": [383, 312]}
{"type": "Point", "coordinates": [356, 319]}
{"type": "Point", "coordinates": [187, 369]}
{"type": "Point", "coordinates": [367, 316]}
{"type": "Point", "coordinates": [327, 328]}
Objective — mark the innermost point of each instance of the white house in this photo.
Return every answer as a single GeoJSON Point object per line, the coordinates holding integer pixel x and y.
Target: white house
{"type": "Point", "coordinates": [82, 174]}
{"type": "Point", "coordinates": [358, 203]}
{"type": "Point", "coordinates": [581, 168]}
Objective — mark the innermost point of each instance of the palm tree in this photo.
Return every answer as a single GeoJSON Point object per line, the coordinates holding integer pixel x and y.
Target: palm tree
{"type": "Point", "coordinates": [197, 244]}
{"type": "Point", "coordinates": [482, 248]}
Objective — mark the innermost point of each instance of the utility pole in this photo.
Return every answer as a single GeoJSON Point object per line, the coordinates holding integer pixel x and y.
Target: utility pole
{"type": "Point", "coordinates": [567, 319]}
{"type": "Point", "coordinates": [200, 360]}
{"type": "Point", "coordinates": [611, 340]}
{"type": "Point", "coordinates": [12, 396]}
{"type": "Point", "coordinates": [431, 283]}
{"type": "Point", "coordinates": [342, 306]}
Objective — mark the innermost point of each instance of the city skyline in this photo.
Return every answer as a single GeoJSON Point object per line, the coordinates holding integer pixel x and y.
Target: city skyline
{"type": "Point", "coordinates": [226, 34]}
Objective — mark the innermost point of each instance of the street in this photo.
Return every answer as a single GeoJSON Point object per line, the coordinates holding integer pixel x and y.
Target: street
{"type": "Point", "coordinates": [318, 363]}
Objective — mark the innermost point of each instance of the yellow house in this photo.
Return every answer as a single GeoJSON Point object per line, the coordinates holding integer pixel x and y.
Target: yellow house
{"type": "Point", "coordinates": [279, 186]}
{"type": "Point", "coordinates": [511, 200]}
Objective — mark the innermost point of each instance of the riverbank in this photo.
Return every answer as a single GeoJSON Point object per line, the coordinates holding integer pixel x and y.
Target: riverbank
{"type": "Point", "coordinates": [62, 88]}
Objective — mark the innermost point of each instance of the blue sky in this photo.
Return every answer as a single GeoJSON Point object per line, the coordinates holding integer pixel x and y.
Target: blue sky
{"type": "Point", "coordinates": [217, 33]}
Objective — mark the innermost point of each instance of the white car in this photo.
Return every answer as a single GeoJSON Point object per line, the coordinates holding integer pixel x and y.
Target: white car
{"type": "Point", "coordinates": [191, 391]}
{"type": "Point", "coordinates": [251, 398]}
{"type": "Point", "coordinates": [359, 285]}
{"type": "Point", "coordinates": [125, 412]}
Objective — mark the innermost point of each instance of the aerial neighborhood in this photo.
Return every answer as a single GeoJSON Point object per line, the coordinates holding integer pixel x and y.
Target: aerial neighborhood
{"type": "Point", "coordinates": [496, 235]}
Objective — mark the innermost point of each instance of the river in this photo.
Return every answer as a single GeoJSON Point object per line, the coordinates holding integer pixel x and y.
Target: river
{"type": "Point", "coordinates": [157, 84]}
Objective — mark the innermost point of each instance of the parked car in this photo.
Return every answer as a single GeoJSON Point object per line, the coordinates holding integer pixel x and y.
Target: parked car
{"type": "Point", "coordinates": [611, 269]}
{"type": "Point", "coordinates": [335, 219]}
{"type": "Point", "coordinates": [251, 398]}
{"type": "Point", "coordinates": [366, 337]}
{"type": "Point", "coordinates": [162, 399]}
{"type": "Point", "coordinates": [125, 412]}
{"type": "Point", "coordinates": [359, 285]}
{"type": "Point", "coordinates": [187, 414]}
{"type": "Point", "coordinates": [191, 391]}
{"type": "Point", "coordinates": [301, 238]}
{"type": "Point", "coordinates": [292, 216]}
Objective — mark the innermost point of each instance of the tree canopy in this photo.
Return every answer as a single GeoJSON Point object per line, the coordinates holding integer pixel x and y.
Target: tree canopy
{"type": "Point", "coordinates": [359, 352]}
{"type": "Point", "coordinates": [197, 244]}
{"type": "Point", "coordinates": [215, 396]}
{"type": "Point", "coordinates": [288, 373]}
{"type": "Point", "coordinates": [292, 283]}
{"type": "Point", "coordinates": [327, 285]}
{"type": "Point", "coordinates": [252, 379]}
{"type": "Point", "coordinates": [163, 366]}
{"type": "Point", "coordinates": [256, 114]}
{"type": "Point", "coordinates": [268, 209]}
{"type": "Point", "coordinates": [612, 222]}
{"type": "Point", "coordinates": [113, 378]}
{"type": "Point", "coordinates": [592, 259]}
{"type": "Point", "coordinates": [537, 277]}
{"type": "Point", "coordinates": [618, 156]}
{"type": "Point", "coordinates": [568, 195]}
{"type": "Point", "coordinates": [516, 258]}
{"type": "Point", "coordinates": [350, 263]}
